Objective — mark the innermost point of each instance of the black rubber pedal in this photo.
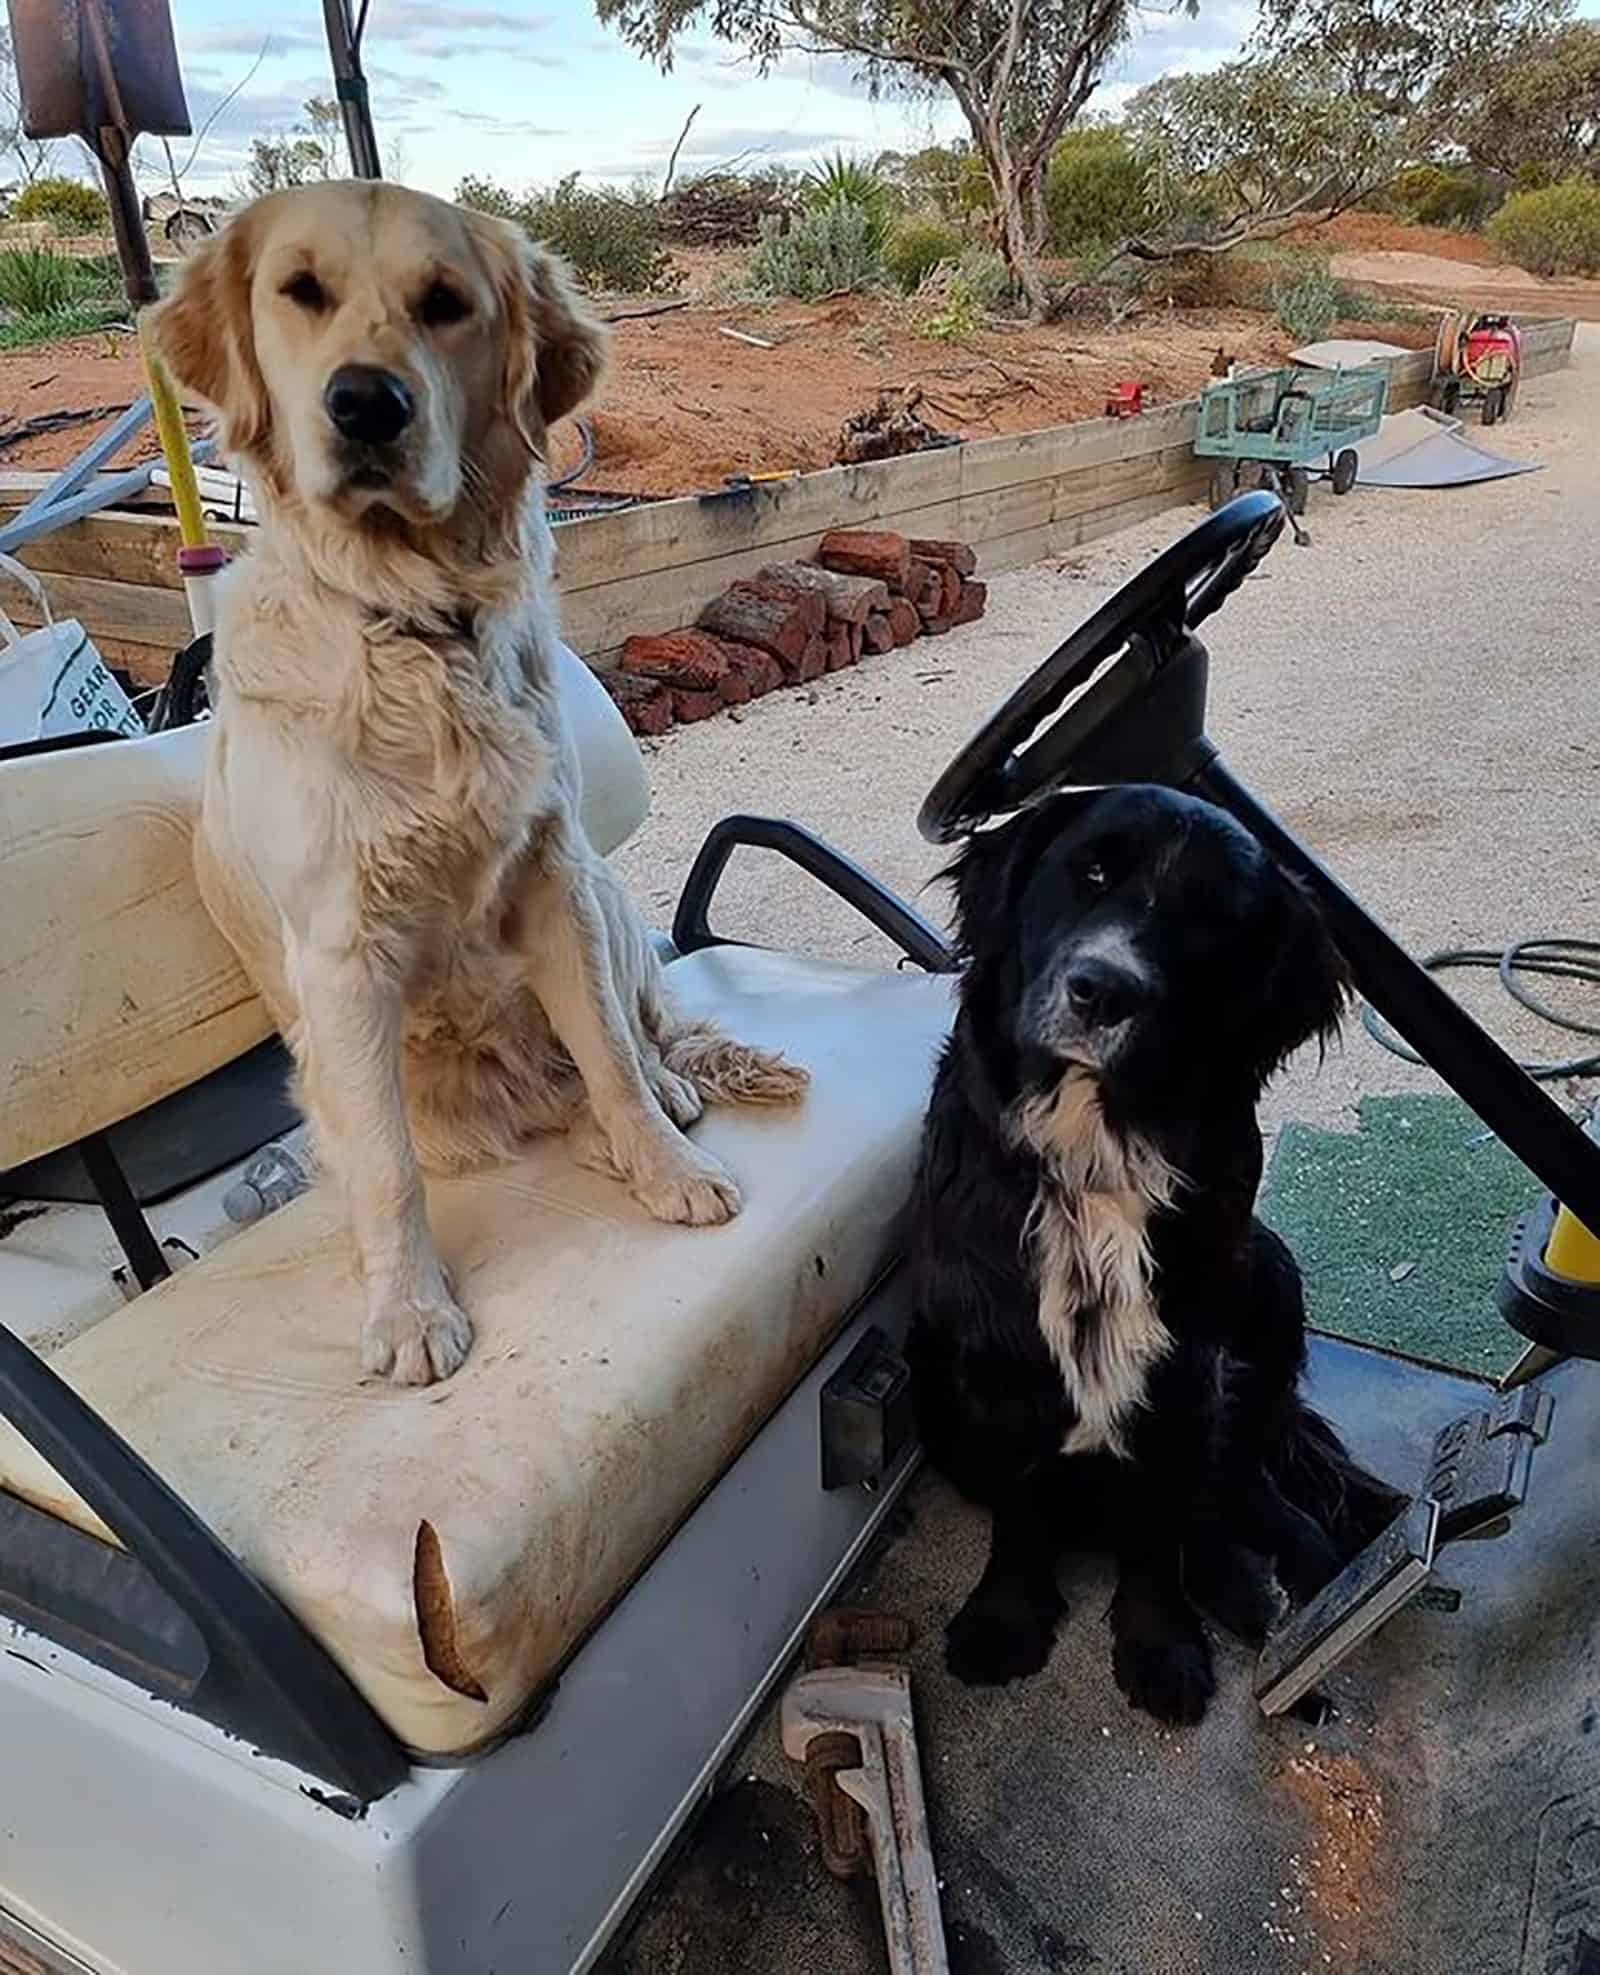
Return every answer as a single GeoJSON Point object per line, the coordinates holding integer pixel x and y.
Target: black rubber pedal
{"type": "Point", "coordinates": [1481, 1463]}
{"type": "Point", "coordinates": [1370, 1589]}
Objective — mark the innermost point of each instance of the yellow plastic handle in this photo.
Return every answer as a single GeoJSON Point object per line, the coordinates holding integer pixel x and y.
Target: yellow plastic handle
{"type": "Point", "coordinates": [174, 446]}
{"type": "Point", "coordinates": [1572, 1251]}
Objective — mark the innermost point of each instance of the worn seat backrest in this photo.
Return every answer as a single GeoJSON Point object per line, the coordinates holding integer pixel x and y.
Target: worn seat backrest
{"type": "Point", "coordinates": [115, 988]}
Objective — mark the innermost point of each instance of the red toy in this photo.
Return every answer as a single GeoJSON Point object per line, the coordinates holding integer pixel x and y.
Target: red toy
{"type": "Point", "coordinates": [1125, 401]}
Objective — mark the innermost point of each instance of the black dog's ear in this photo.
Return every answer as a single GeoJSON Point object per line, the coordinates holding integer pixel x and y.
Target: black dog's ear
{"type": "Point", "coordinates": [992, 865]}
{"type": "Point", "coordinates": [1307, 987]}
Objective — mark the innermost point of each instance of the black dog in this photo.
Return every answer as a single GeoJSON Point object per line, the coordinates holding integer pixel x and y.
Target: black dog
{"type": "Point", "coordinates": [1108, 1345]}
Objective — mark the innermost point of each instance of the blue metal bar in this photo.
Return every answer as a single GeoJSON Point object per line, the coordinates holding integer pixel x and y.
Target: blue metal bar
{"type": "Point", "coordinates": [105, 445]}
{"type": "Point", "coordinates": [36, 519]}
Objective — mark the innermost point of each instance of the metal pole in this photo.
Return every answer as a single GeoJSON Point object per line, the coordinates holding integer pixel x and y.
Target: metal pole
{"type": "Point", "coordinates": [350, 90]}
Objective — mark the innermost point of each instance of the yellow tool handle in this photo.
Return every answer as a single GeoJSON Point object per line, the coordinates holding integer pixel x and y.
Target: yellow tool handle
{"type": "Point", "coordinates": [1572, 1251]}
{"type": "Point", "coordinates": [174, 446]}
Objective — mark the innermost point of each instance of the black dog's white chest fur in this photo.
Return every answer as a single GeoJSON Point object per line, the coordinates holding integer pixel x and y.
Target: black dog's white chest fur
{"type": "Point", "coordinates": [1088, 1249]}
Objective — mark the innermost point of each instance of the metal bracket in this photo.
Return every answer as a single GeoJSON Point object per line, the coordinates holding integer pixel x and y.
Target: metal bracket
{"type": "Point", "coordinates": [1478, 1472]}
{"type": "Point", "coordinates": [866, 1413]}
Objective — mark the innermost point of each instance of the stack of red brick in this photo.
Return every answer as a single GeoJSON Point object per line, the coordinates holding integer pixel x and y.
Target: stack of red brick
{"type": "Point", "coordinates": [866, 592]}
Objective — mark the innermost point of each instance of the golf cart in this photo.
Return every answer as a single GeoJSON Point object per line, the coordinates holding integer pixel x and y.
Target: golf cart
{"type": "Point", "coordinates": [301, 1671]}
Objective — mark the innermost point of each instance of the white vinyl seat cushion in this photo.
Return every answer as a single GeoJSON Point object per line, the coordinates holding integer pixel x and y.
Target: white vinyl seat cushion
{"type": "Point", "coordinates": [451, 1545]}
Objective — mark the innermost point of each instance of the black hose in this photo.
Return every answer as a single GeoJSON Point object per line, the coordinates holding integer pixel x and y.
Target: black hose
{"type": "Point", "coordinates": [586, 440]}
{"type": "Point", "coordinates": [1552, 955]}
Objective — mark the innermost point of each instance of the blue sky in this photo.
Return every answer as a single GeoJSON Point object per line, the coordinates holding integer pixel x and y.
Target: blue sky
{"type": "Point", "coordinates": [528, 90]}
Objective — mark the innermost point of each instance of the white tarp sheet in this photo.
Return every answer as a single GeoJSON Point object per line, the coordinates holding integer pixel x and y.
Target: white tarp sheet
{"type": "Point", "coordinates": [1425, 448]}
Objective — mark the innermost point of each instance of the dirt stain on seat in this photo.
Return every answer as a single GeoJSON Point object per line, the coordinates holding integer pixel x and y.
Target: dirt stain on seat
{"type": "Point", "coordinates": [436, 1617]}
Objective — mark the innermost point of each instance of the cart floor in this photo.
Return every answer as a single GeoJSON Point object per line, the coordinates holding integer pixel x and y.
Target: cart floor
{"type": "Point", "coordinates": [1446, 1821]}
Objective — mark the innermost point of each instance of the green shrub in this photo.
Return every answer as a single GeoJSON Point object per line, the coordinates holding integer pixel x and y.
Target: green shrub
{"type": "Point", "coordinates": [832, 249]}
{"type": "Point", "coordinates": [46, 295]}
{"type": "Point", "coordinates": [484, 196]}
{"type": "Point", "coordinates": [1094, 190]}
{"type": "Point", "coordinates": [1444, 195]}
{"type": "Point", "coordinates": [974, 193]}
{"type": "Point", "coordinates": [1553, 231]}
{"type": "Point", "coordinates": [37, 281]}
{"type": "Point", "coordinates": [991, 282]}
{"type": "Point", "coordinates": [946, 308]}
{"type": "Point", "coordinates": [915, 246]}
{"type": "Point", "coordinates": [26, 332]}
{"type": "Point", "coordinates": [947, 179]}
{"type": "Point", "coordinates": [611, 239]}
{"type": "Point", "coordinates": [69, 205]}
{"type": "Point", "coordinates": [1306, 303]}
{"type": "Point", "coordinates": [847, 181]}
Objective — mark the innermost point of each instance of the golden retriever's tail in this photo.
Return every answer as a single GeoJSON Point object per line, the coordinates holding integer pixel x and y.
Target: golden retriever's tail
{"type": "Point", "coordinates": [729, 1072]}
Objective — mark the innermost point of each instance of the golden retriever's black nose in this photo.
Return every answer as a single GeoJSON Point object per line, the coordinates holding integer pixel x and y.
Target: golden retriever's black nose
{"type": "Point", "coordinates": [368, 404]}
{"type": "Point", "coordinates": [1102, 992]}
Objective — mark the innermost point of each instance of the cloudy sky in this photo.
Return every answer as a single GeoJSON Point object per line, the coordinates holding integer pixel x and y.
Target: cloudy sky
{"type": "Point", "coordinates": [530, 89]}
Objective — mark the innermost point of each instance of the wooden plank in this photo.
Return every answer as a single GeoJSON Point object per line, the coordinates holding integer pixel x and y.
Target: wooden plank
{"type": "Point", "coordinates": [674, 534]}
{"type": "Point", "coordinates": [18, 485]}
{"type": "Point", "coordinates": [1060, 537]}
{"type": "Point", "coordinates": [1054, 536]}
{"type": "Point", "coordinates": [1067, 448]}
{"type": "Point", "coordinates": [597, 618]}
{"type": "Point", "coordinates": [122, 548]}
{"type": "Point", "coordinates": [1541, 338]}
{"type": "Point", "coordinates": [137, 614]}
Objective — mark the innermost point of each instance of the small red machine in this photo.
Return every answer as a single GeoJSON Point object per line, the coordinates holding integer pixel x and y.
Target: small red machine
{"type": "Point", "coordinates": [1125, 401]}
{"type": "Point", "coordinates": [1477, 359]}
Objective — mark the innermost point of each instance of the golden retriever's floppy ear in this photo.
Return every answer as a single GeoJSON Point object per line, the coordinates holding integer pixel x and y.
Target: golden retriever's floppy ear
{"type": "Point", "coordinates": [205, 334]}
{"type": "Point", "coordinates": [555, 346]}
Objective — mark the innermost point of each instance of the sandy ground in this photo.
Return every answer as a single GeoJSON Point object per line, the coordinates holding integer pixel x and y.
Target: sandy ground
{"type": "Point", "coordinates": [1414, 694]}
{"type": "Point", "coordinates": [1434, 278]}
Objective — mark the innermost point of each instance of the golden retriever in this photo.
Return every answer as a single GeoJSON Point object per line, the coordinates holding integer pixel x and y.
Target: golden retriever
{"type": "Point", "coordinates": [389, 833]}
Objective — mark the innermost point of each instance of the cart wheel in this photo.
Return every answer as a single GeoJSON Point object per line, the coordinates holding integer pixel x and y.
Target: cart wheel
{"type": "Point", "coordinates": [1223, 477]}
{"type": "Point", "coordinates": [1345, 468]}
{"type": "Point", "coordinates": [1299, 483]}
{"type": "Point", "coordinates": [1493, 403]}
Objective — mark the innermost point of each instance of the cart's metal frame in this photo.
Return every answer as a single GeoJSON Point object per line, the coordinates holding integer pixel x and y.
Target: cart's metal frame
{"type": "Point", "coordinates": [1267, 427]}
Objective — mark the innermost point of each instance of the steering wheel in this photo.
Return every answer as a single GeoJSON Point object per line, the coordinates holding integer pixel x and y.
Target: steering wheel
{"type": "Point", "coordinates": [1110, 659]}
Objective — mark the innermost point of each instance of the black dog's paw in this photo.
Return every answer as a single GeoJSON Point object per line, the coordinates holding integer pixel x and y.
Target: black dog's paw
{"type": "Point", "coordinates": [987, 1644]}
{"type": "Point", "coordinates": [1236, 1587]}
{"type": "Point", "coordinates": [1171, 1679]}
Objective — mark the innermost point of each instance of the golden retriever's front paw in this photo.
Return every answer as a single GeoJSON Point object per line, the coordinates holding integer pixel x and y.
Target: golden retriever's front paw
{"type": "Point", "coordinates": [687, 1187]}
{"type": "Point", "coordinates": [416, 1342]}
{"type": "Point", "coordinates": [676, 1096]}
